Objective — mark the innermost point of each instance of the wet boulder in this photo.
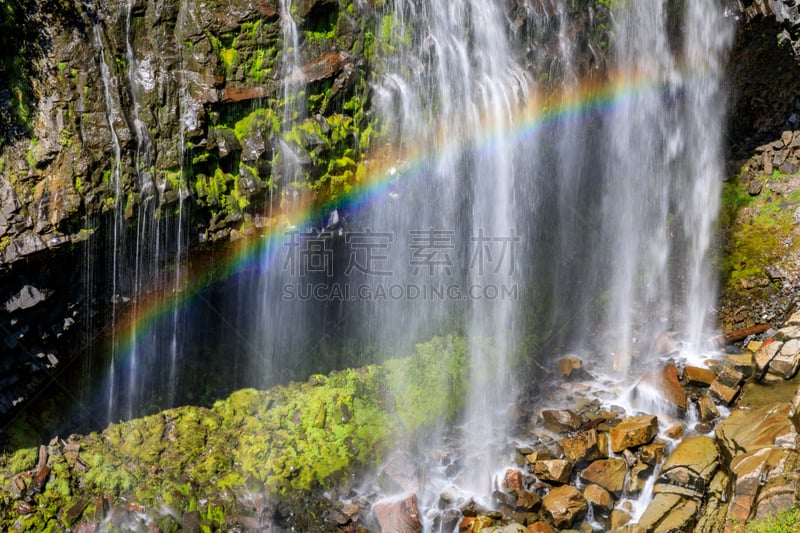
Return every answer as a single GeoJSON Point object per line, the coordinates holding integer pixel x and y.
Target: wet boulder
{"type": "Point", "coordinates": [565, 506]}
{"type": "Point", "coordinates": [632, 432]}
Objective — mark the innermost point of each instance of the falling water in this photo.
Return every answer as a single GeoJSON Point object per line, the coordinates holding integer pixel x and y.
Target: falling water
{"type": "Point", "coordinates": [112, 115]}
{"type": "Point", "coordinates": [662, 174]}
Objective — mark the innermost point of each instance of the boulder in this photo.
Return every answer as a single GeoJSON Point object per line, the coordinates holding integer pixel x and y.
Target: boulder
{"type": "Point", "coordinates": [747, 430]}
{"type": "Point", "coordinates": [585, 446]}
{"type": "Point", "coordinates": [665, 384]}
{"type": "Point", "coordinates": [652, 454]}
{"type": "Point", "coordinates": [398, 515]}
{"type": "Point", "coordinates": [766, 475]}
{"type": "Point", "coordinates": [689, 468]}
{"type": "Point", "coordinates": [708, 411]}
{"type": "Point", "coordinates": [512, 480]}
{"type": "Point", "coordinates": [541, 527]}
{"type": "Point", "coordinates": [632, 432]}
{"type": "Point", "coordinates": [764, 356]}
{"type": "Point", "coordinates": [669, 512]}
{"type": "Point", "coordinates": [569, 366]}
{"type": "Point", "coordinates": [787, 361]}
{"type": "Point", "coordinates": [723, 393]}
{"type": "Point", "coordinates": [698, 377]}
{"type": "Point", "coordinates": [561, 420]}
{"type": "Point", "coordinates": [564, 505]}
{"type": "Point", "coordinates": [554, 470]}
{"type": "Point", "coordinates": [606, 473]}
{"type": "Point", "coordinates": [598, 497]}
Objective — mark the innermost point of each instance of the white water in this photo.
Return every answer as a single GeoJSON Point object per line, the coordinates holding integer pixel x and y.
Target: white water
{"type": "Point", "coordinates": [113, 115]}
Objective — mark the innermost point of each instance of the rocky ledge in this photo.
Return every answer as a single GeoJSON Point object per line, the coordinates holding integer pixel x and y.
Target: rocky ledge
{"type": "Point", "coordinates": [722, 450]}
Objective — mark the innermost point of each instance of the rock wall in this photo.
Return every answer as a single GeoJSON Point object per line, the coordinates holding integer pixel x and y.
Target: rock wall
{"type": "Point", "coordinates": [143, 126]}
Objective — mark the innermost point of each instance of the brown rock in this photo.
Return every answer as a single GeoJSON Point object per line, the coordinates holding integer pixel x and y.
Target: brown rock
{"type": "Point", "coordinates": [675, 432]}
{"type": "Point", "coordinates": [730, 377]}
{"type": "Point", "coordinates": [471, 524]}
{"type": "Point", "coordinates": [652, 454]}
{"type": "Point", "coordinates": [585, 446]}
{"type": "Point", "coordinates": [723, 393]}
{"type": "Point", "coordinates": [669, 512]}
{"type": "Point", "coordinates": [598, 497]}
{"type": "Point", "coordinates": [667, 385]}
{"type": "Point", "coordinates": [242, 94]}
{"type": "Point", "coordinates": [607, 473]}
{"type": "Point", "coordinates": [748, 430]}
{"type": "Point", "coordinates": [541, 527]}
{"type": "Point", "coordinates": [554, 470]}
{"type": "Point", "coordinates": [690, 467]}
{"type": "Point", "coordinates": [762, 479]}
{"type": "Point", "coordinates": [325, 67]}
{"type": "Point", "coordinates": [632, 432]}
{"type": "Point", "coordinates": [708, 411]}
{"type": "Point", "coordinates": [638, 478]}
{"type": "Point", "coordinates": [787, 361]}
{"type": "Point", "coordinates": [564, 505]}
{"type": "Point", "coordinates": [764, 356]}
{"type": "Point", "coordinates": [528, 501]}
{"type": "Point", "coordinates": [698, 377]}
{"type": "Point", "coordinates": [567, 366]}
{"type": "Point", "coordinates": [513, 480]}
{"type": "Point", "coordinates": [619, 518]}
{"type": "Point", "coordinates": [398, 516]}
{"type": "Point", "coordinates": [561, 420]}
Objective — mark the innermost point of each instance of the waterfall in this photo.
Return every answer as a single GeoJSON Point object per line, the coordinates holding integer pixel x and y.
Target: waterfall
{"type": "Point", "coordinates": [112, 115]}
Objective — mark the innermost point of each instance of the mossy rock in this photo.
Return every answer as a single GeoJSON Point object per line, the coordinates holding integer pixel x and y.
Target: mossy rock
{"type": "Point", "coordinates": [290, 440]}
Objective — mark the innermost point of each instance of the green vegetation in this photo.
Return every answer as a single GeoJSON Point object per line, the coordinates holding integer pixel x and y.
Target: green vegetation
{"type": "Point", "coordinates": [757, 227]}
{"type": "Point", "coordinates": [785, 521]}
{"type": "Point", "coordinates": [285, 441]}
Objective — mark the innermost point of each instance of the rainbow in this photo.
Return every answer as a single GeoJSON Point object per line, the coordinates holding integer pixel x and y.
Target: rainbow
{"type": "Point", "coordinates": [565, 105]}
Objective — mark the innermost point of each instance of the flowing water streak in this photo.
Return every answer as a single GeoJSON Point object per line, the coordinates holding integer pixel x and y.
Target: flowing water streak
{"type": "Point", "coordinates": [112, 115]}
{"type": "Point", "coordinates": [662, 174]}
{"type": "Point", "coordinates": [456, 74]}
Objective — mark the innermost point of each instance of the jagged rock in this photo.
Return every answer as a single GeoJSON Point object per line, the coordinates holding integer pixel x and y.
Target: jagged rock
{"type": "Point", "coordinates": [541, 527]}
{"type": "Point", "coordinates": [708, 411]}
{"type": "Point", "coordinates": [665, 383]}
{"type": "Point", "coordinates": [585, 446]}
{"type": "Point", "coordinates": [598, 497]}
{"type": "Point", "coordinates": [754, 187]}
{"type": "Point", "coordinates": [512, 481]}
{"type": "Point", "coordinates": [787, 361]}
{"type": "Point", "coordinates": [564, 505]}
{"type": "Point", "coordinates": [633, 432]}
{"type": "Point", "coordinates": [760, 476]}
{"type": "Point", "coordinates": [561, 420]}
{"type": "Point", "coordinates": [473, 524]}
{"type": "Point", "coordinates": [555, 470]}
{"type": "Point", "coordinates": [764, 356]}
{"type": "Point", "coordinates": [619, 518]}
{"type": "Point", "coordinates": [794, 319]}
{"type": "Point", "coordinates": [669, 512]}
{"type": "Point", "coordinates": [567, 366]}
{"type": "Point", "coordinates": [28, 297]}
{"type": "Point", "coordinates": [748, 430]}
{"type": "Point", "coordinates": [607, 473]}
{"type": "Point", "coordinates": [401, 474]}
{"type": "Point", "coordinates": [636, 481]}
{"type": "Point", "coordinates": [698, 377]}
{"type": "Point", "coordinates": [723, 393]}
{"type": "Point", "coordinates": [689, 468]}
{"type": "Point", "coordinates": [652, 454]}
{"type": "Point", "coordinates": [399, 516]}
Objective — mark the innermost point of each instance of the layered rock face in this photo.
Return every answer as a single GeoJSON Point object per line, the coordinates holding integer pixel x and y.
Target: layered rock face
{"type": "Point", "coordinates": [143, 130]}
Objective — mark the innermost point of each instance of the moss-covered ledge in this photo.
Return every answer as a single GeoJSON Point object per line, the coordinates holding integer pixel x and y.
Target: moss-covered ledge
{"type": "Point", "coordinates": [224, 465]}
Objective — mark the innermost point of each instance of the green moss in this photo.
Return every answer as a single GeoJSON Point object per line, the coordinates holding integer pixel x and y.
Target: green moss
{"type": "Point", "coordinates": [785, 521]}
{"type": "Point", "coordinates": [23, 460]}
